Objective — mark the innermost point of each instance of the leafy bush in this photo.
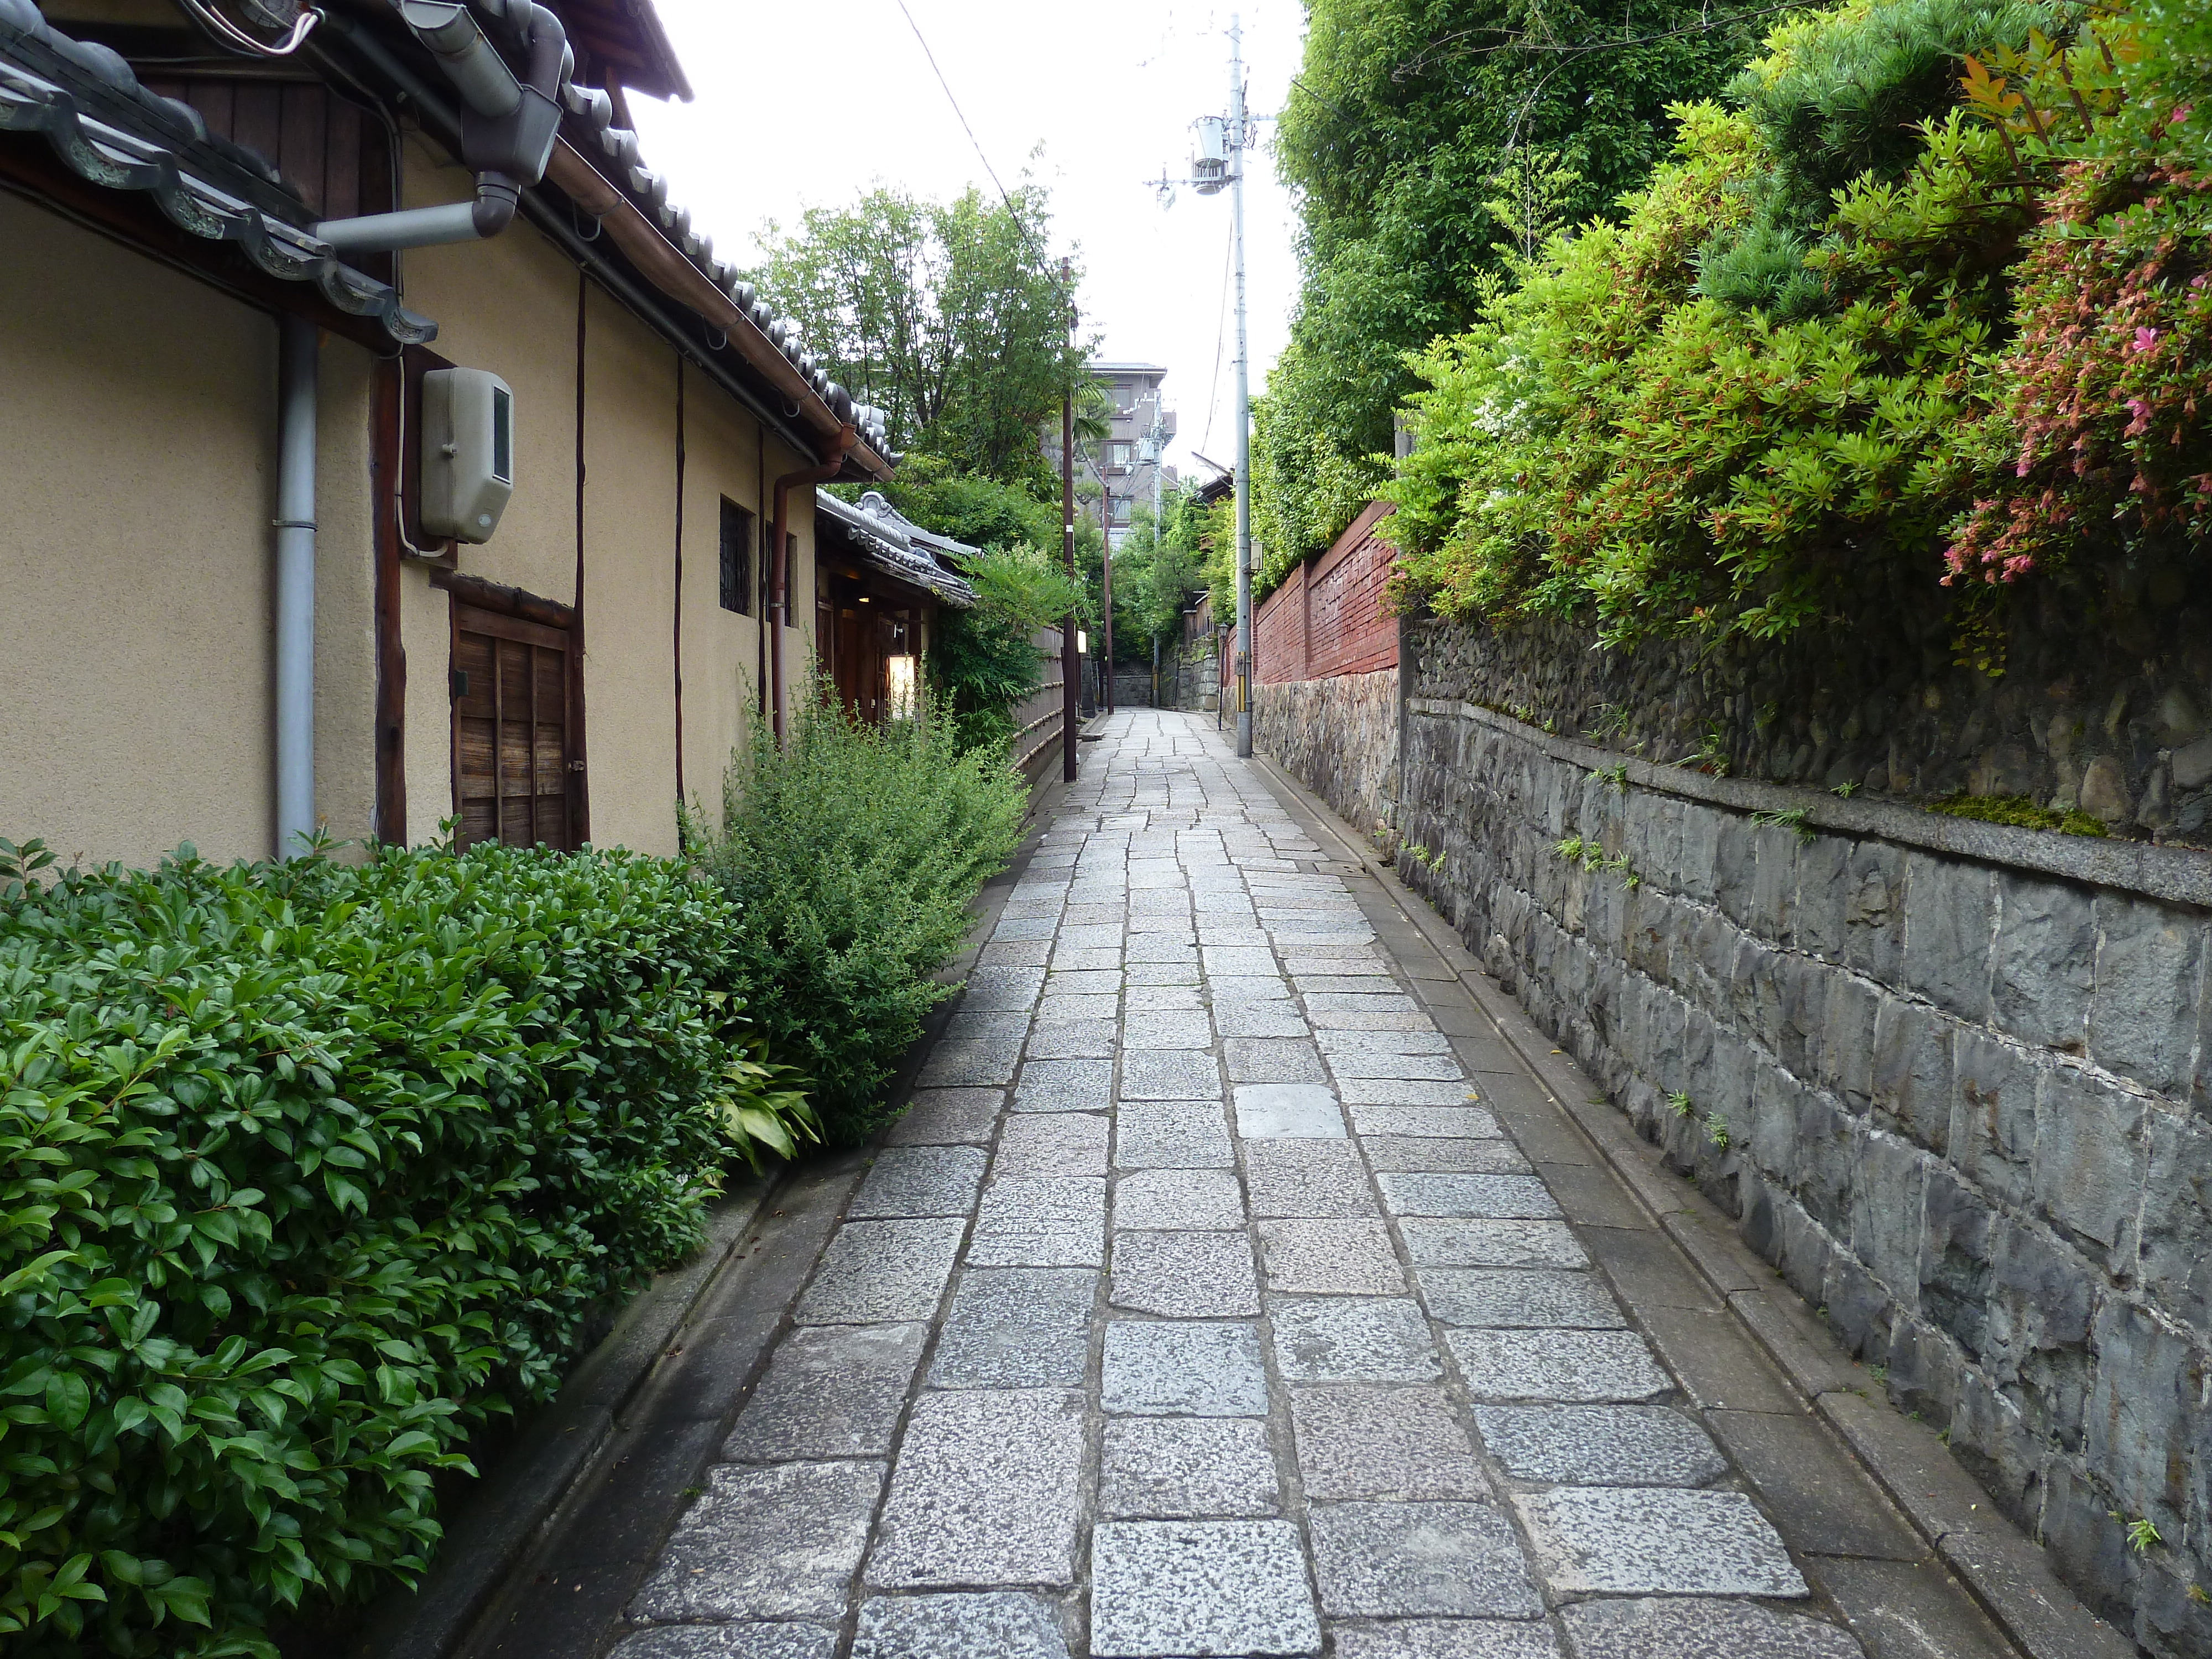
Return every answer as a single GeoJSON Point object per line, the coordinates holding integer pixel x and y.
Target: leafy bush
{"type": "Point", "coordinates": [984, 661]}
{"type": "Point", "coordinates": [310, 1169]}
{"type": "Point", "coordinates": [852, 855]}
{"type": "Point", "coordinates": [1989, 351]}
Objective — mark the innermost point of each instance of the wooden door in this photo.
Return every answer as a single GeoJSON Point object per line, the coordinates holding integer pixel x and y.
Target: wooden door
{"type": "Point", "coordinates": [513, 760]}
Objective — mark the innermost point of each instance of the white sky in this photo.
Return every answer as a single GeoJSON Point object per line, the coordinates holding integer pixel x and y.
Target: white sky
{"type": "Point", "coordinates": [806, 105]}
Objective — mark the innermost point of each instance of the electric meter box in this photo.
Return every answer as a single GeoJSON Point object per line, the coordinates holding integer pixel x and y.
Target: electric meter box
{"type": "Point", "coordinates": [468, 452]}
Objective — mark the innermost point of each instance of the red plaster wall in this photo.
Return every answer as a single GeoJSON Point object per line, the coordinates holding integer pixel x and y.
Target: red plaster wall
{"type": "Point", "coordinates": [1326, 618]}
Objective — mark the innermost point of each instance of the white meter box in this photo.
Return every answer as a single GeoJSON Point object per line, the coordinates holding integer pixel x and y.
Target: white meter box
{"type": "Point", "coordinates": [468, 452]}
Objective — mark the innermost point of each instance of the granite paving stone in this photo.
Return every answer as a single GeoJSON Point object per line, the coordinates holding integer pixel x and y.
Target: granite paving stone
{"type": "Point", "coordinates": [1179, 1200]}
{"type": "Point", "coordinates": [878, 1271]}
{"type": "Point", "coordinates": [1169, 1075]}
{"type": "Point", "coordinates": [983, 1064]}
{"type": "Point", "coordinates": [1434, 1241]}
{"type": "Point", "coordinates": [1195, 1368]}
{"type": "Point", "coordinates": [1308, 1178]}
{"type": "Point", "coordinates": [1486, 1197]}
{"type": "Point", "coordinates": [987, 1491]}
{"type": "Point", "coordinates": [911, 1181]}
{"type": "Point", "coordinates": [1460, 1122]}
{"type": "Point", "coordinates": [1041, 1221]}
{"type": "Point", "coordinates": [829, 1391]}
{"type": "Point", "coordinates": [1447, 1638]}
{"type": "Point", "coordinates": [1016, 1328]}
{"type": "Point", "coordinates": [781, 1542]}
{"type": "Point", "coordinates": [1292, 1110]}
{"type": "Point", "coordinates": [1676, 1628]}
{"type": "Point", "coordinates": [991, 1624]}
{"type": "Point", "coordinates": [1352, 1340]}
{"type": "Point", "coordinates": [1358, 1441]}
{"type": "Point", "coordinates": [1401, 1092]}
{"type": "Point", "coordinates": [1055, 1144]}
{"type": "Point", "coordinates": [1400, 1560]}
{"type": "Point", "coordinates": [1185, 1275]}
{"type": "Point", "coordinates": [1649, 1540]}
{"type": "Point", "coordinates": [1270, 1059]}
{"type": "Point", "coordinates": [1185, 1467]}
{"type": "Point", "coordinates": [1075, 1039]}
{"type": "Point", "coordinates": [1160, 1589]}
{"type": "Point", "coordinates": [1259, 1019]}
{"type": "Point", "coordinates": [1065, 1086]}
{"type": "Point", "coordinates": [1599, 1445]}
{"type": "Point", "coordinates": [1226, 1290]}
{"type": "Point", "coordinates": [1417, 1155]}
{"type": "Point", "coordinates": [777, 1641]}
{"type": "Point", "coordinates": [1571, 1366]}
{"type": "Point", "coordinates": [1175, 1134]}
{"type": "Point", "coordinates": [941, 1117]}
{"type": "Point", "coordinates": [1176, 1029]}
{"type": "Point", "coordinates": [1526, 1298]}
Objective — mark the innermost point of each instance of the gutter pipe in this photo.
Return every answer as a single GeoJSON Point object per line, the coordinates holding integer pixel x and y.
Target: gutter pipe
{"type": "Point", "coordinates": [298, 347]}
{"type": "Point", "coordinates": [506, 141]}
{"type": "Point", "coordinates": [779, 564]}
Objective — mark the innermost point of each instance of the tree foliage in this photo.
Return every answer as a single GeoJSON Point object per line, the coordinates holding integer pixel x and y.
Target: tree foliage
{"type": "Point", "coordinates": [944, 315]}
{"type": "Point", "coordinates": [1431, 143]}
{"type": "Point", "coordinates": [1614, 437]}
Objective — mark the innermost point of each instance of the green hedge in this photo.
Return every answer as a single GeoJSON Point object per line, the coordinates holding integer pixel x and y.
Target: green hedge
{"type": "Point", "coordinates": [852, 855]}
{"type": "Point", "coordinates": [309, 1171]}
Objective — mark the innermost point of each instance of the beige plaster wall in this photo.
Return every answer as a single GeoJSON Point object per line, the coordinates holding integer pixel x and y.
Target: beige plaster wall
{"type": "Point", "coordinates": [136, 557]}
{"type": "Point", "coordinates": [721, 648]}
{"type": "Point", "coordinates": [510, 306]}
{"type": "Point", "coordinates": [629, 580]}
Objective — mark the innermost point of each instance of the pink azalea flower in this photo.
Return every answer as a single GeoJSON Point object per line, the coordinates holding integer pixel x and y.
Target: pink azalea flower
{"type": "Point", "coordinates": [2145, 338]}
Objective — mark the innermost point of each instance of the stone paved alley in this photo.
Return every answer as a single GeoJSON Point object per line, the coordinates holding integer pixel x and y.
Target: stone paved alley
{"type": "Point", "coordinates": [1233, 1288]}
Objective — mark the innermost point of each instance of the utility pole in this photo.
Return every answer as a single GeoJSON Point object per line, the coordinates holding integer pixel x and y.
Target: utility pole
{"type": "Point", "coordinates": [1220, 161]}
{"type": "Point", "coordinates": [1106, 584]}
{"type": "Point", "coordinates": [1236, 144]}
{"type": "Point", "coordinates": [1071, 669]}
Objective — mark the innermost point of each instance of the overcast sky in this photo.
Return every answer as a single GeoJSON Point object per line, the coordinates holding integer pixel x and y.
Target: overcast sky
{"type": "Point", "coordinates": [807, 105]}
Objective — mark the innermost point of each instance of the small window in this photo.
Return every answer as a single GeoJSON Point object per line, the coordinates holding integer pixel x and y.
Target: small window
{"type": "Point", "coordinates": [1123, 451]}
{"type": "Point", "coordinates": [737, 558]}
{"type": "Point", "coordinates": [1121, 505]}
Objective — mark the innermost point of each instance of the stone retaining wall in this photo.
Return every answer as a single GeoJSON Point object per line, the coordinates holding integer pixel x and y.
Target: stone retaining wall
{"type": "Point", "coordinates": [1339, 737]}
{"type": "Point", "coordinates": [1953, 1079]}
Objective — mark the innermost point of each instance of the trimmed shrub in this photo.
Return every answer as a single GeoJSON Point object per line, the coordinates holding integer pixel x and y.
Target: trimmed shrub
{"type": "Point", "coordinates": [310, 1170]}
{"type": "Point", "coordinates": [852, 855]}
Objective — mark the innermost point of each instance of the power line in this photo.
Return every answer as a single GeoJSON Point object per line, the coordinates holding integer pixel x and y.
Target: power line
{"type": "Point", "coordinates": [1221, 327]}
{"type": "Point", "coordinates": [1013, 212]}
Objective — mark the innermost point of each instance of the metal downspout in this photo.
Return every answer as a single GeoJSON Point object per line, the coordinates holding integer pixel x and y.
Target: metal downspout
{"type": "Point", "coordinates": [298, 347]}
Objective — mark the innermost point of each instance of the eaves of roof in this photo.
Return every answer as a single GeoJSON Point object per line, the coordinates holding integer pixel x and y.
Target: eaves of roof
{"type": "Point", "coordinates": [889, 548]}
{"type": "Point", "coordinates": [84, 100]}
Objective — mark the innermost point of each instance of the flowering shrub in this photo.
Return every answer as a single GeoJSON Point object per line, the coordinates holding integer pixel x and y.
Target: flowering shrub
{"type": "Point", "coordinates": [1992, 346]}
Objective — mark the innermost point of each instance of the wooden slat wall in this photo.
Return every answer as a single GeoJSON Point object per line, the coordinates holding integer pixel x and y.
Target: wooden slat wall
{"type": "Point", "coordinates": [327, 150]}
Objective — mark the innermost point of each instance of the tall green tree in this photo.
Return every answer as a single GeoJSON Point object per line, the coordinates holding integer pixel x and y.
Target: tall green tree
{"type": "Point", "coordinates": [945, 315]}
{"type": "Point", "coordinates": [1433, 144]}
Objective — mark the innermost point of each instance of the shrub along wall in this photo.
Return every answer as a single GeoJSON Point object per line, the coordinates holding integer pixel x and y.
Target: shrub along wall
{"type": "Point", "coordinates": [307, 1171]}
{"type": "Point", "coordinates": [1953, 1078]}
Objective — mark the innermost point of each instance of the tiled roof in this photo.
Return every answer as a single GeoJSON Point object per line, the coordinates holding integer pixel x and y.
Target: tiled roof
{"type": "Point", "coordinates": [897, 545]}
{"type": "Point", "coordinates": [110, 131]}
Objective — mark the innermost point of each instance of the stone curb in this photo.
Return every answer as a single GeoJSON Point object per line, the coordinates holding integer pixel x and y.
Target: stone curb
{"type": "Point", "coordinates": [2178, 875]}
{"type": "Point", "coordinates": [505, 1516]}
{"type": "Point", "coordinates": [2001, 1568]}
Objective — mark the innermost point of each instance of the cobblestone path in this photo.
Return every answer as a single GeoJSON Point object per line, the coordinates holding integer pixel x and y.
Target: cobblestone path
{"type": "Point", "coordinates": [1202, 1306]}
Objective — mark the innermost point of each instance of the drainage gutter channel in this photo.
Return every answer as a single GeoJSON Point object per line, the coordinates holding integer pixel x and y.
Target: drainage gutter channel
{"type": "Point", "coordinates": [2008, 1575]}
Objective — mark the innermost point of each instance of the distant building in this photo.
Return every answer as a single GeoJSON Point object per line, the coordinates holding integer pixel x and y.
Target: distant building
{"type": "Point", "coordinates": [1131, 467]}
